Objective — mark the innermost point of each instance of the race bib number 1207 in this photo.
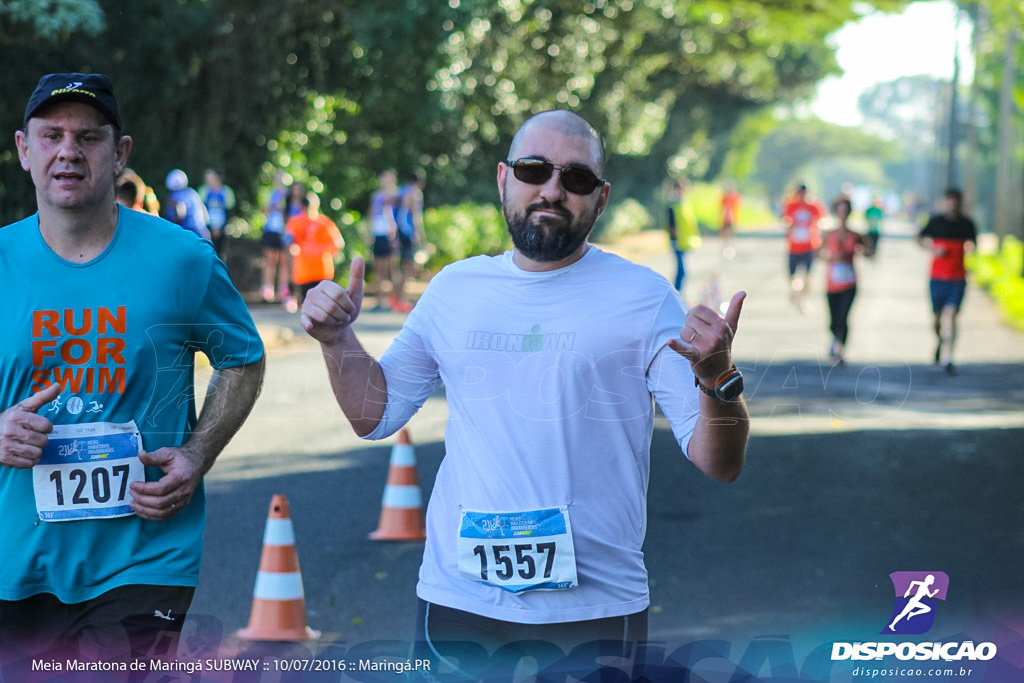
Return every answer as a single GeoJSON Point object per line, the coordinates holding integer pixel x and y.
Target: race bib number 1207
{"type": "Point", "coordinates": [518, 551]}
{"type": "Point", "coordinates": [86, 470]}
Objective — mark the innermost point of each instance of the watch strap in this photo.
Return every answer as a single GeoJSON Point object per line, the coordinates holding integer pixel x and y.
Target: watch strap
{"type": "Point", "coordinates": [722, 379]}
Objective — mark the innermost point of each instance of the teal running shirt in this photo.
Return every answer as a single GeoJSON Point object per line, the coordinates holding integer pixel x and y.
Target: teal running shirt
{"type": "Point", "coordinates": [120, 332]}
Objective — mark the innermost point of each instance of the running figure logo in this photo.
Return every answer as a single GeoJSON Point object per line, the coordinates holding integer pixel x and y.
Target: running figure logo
{"type": "Point", "coordinates": [914, 608]}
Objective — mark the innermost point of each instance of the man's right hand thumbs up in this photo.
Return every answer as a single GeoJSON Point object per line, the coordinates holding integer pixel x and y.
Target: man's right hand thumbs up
{"type": "Point", "coordinates": [329, 308]}
{"type": "Point", "coordinates": [23, 433]}
{"type": "Point", "coordinates": [356, 282]}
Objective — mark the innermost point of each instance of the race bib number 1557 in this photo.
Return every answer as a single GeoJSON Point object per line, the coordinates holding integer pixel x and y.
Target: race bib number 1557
{"type": "Point", "coordinates": [518, 551]}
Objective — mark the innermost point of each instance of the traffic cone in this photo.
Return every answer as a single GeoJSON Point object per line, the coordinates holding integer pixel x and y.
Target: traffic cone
{"type": "Point", "coordinates": [278, 602]}
{"type": "Point", "coordinates": [401, 514]}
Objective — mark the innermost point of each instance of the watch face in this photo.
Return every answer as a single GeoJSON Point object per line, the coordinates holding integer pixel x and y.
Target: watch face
{"type": "Point", "coordinates": [731, 389]}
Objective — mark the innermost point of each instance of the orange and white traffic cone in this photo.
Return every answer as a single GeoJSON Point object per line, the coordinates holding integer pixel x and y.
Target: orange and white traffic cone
{"type": "Point", "coordinates": [278, 601]}
{"type": "Point", "coordinates": [401, 514]}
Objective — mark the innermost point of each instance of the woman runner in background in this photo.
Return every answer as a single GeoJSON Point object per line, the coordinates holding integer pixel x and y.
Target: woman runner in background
{"type": "Point", "coordinates": [839, 247]}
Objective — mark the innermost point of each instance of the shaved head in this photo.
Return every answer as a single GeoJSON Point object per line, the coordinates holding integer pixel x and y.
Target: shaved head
{"type": "Point", "coordinates": [566, 123]}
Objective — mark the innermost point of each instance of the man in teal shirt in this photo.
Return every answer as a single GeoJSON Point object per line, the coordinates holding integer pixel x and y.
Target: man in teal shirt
{"type": "Point", "coordinates": [102, 455]}
{"type": "Point", "coordinates": [874, 215]}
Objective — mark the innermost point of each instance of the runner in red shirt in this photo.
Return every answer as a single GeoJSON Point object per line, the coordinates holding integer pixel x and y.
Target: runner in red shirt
{"type": "Point", "coordinates": [731, 202]}
{"type": "Point", "coordinates": [839, 248]}
{"type": "Point", "coordinates": [948, 236]}
{"type": "Point", "coordinates": [800, 219]}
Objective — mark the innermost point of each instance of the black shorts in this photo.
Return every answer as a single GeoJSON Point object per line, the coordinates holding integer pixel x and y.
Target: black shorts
{"type": "Point", "coordinates": [805, 260]}
{"type": "Point", "coordinates": [272, 240]}
{"type": "Point", "coordinates": [406, 248]}
{"type": "Point", "coordinates": [123, 624]}
{"type": "Point", "coordinates": [306, 287]}
{"type": "Point", "coordinates": [490, 649]}
{"type": "Point", "coordinates": [382, 246]}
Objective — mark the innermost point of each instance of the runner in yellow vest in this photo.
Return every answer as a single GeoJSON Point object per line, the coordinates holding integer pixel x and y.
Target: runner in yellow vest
{"type": "Point", "coordinates": [682, 229]}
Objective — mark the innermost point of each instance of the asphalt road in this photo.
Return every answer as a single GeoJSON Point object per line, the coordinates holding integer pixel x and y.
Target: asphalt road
{"type": "Point", "coordinates": [884, 465]}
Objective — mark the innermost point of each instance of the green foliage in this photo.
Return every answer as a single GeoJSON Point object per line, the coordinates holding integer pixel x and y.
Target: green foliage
{"type": "Point", "coordinates": [665, 81]}
{"type": "Point", "coordinates": [832, 173]}
{"type": "Point", "coordinates": [627, 217]}
{"type": "Point", "coordinates": [354, 232]}
{"type": "Point", "coordinates": [464, 230]}
{"type": "Point", "coordinates": [740, 161]}
{"type": "Point", "coordinates": [707, 205]}
{"type": "Point", "coordinates": [1002, 274]}
{"type": "Point", "coordinates": [904, 109]}
{"type": "Point", "coordinates": [706, 200]}
{"type": "Point", "coordinates": [998, 49]}
{"type": "Point", "coordinates": [50, 20]}
{"type": "Point", "coordinates": [335, 90]}
{"type": "Point", "coordinates": [757, 214]}
{"type": "Point", "coordinates": [786, 152]}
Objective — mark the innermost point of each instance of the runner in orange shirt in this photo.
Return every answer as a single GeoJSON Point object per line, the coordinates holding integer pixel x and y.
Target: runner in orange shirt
{"type": "Point", "coordinates": [315, 241]}
{"type": "Point", "coordinates": [803, 236]}
{"type": "Point", "coordinates": [731, 201]}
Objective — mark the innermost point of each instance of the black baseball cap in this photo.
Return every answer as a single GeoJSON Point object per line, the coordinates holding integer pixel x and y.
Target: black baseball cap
{"type": "Point", "coordinates": [92, 89]}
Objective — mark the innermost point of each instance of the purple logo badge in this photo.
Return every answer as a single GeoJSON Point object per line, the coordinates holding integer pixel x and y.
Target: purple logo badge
{"type": "Point", "coordinates": [916, 594]}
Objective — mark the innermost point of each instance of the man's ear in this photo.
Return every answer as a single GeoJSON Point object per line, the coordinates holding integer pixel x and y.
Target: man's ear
{"type": "Point", "coordinates": [124, 148]}
{"type": "Point", "coordinates": [21, 142]}
{"type": "Point", "coordinates": [502, 172]}
{"type": "Point", "coordinates": [602, 203]}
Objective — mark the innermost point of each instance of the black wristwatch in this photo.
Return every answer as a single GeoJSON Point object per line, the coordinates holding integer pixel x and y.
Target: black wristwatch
{"type": "Point", "coordinates": [728, 387]}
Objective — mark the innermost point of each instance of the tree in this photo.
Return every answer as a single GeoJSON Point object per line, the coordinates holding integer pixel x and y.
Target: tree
{"type": "Point", "coordinates": [903, 109]}
{"type": "Point", "coordinates": [999, 121]}
{"type": "Point", "coordinates": [794, 145]}
{"type": "Point", "coordinates": [246, 85]}
{"type": "Point", "coordinates": [665, 81]}
{"type": "Point", "coordinates": [28, 27]}
{"type": "Point", "coordinates": [25, 21]}
{"type": "Point", "coordinates": [335, 90]}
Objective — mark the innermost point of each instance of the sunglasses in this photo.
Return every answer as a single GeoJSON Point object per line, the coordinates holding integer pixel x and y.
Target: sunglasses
{"type": "Point", "coordinates": [575, 179]}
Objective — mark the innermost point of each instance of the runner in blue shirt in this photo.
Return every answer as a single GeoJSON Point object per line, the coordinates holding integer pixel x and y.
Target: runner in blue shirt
{"type": "Point", "coordinates": [184, 206]}
{"type": "Point", "coordinates": [219, 200]}
{"type": "Point", "coordinates": [102, 453]}
{"type": "Point", "coordinates": [411, 237]}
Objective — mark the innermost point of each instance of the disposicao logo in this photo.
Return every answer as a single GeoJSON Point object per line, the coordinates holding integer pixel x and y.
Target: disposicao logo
{"type": "Point", "coordinates": [913, 613]}
{"type": "Point", "coordinates": [916, 594]}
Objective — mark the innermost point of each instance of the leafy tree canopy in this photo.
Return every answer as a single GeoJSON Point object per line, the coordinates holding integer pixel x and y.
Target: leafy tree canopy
{"type": "Point", "coordinates": [27, 21]}
{"type": "Point", "coordinates": [335, 90]}
{"type": "Point", "coordinates": [795, 144]}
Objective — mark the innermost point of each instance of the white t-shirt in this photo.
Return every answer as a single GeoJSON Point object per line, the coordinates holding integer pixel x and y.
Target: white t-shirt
{"type": "Point", "coordinates": [549, 379]}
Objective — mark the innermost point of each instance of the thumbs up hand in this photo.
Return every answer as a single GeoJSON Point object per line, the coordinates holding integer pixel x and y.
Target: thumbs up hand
{"type": "Point", "coordinates": [329, 308]}
{"type": "Point", "coordinates": [706, 340]}
{"type": "Point", "coordinates": [23, 433]}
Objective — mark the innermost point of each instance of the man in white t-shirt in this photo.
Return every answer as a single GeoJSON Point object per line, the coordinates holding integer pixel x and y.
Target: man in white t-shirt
{"type": "Point", "coordinates": [550, 355]}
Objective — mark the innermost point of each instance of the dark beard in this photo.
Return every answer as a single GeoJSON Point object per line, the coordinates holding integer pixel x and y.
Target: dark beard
{"type": "Point", "coordinates": [547, 240]}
